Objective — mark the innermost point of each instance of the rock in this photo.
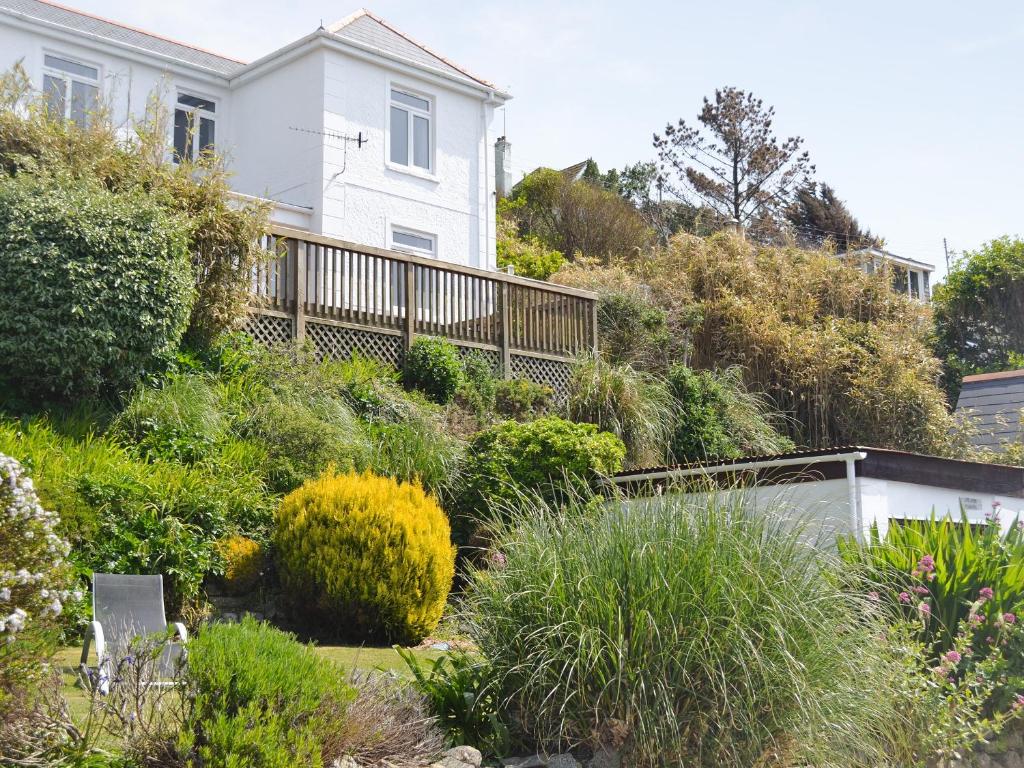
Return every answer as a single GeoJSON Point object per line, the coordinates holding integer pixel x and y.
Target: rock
{"type": "Point", "coordinates": [450, 762]}
{"type": "Point", "coordinates": [465, 754]}
{"type": "Point", "coordinates": [605, 757]}
{"type": "Point", "coordinates": [533, 761]}
{"type": "Point", "coordinates": [563, 761]}
{"type": "Point", "coordinates": [345, 762]}
{"type": "Point", "coordinates": [229, 617]}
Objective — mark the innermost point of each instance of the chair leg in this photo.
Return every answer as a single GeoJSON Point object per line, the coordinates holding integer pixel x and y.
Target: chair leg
{"type": "Point", "coordinates": [94, 633]}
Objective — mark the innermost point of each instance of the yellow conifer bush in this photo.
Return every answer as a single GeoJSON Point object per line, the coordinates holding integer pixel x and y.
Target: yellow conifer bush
{"type": "Point", "coordinates": [243, 563]}
{"type": "Point", "coordinates": [365, 556]}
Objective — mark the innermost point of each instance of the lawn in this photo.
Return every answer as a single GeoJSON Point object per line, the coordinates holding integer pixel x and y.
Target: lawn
{"type": "Point", "coordinates": [347, 657]}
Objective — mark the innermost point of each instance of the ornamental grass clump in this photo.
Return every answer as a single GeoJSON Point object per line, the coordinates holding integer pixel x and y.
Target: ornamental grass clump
{"type": "Point", "coordinates": [366, 557]}
{"type": "Point", "coordinates": [680, 634]}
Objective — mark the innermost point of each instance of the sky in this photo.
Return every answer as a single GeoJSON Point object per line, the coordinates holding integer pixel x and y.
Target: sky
{"type": "Point", "coordinates": [912, 110]}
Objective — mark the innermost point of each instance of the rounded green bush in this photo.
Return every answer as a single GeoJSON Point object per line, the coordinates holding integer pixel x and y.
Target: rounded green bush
{"type": "Point", "coordinates": [556, 459]}
{"type": "Point", "coordinates": [365, 556]}
{"type": "Point", "coordinates": [434, 367]}
{"type": "Point", "coordinates": [96, 292]}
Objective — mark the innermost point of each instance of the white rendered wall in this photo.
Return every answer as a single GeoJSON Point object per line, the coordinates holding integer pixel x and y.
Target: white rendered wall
{"type": "Point", "coordinates": [823, 506]}
{"type": "Point", "coordinates": [128, 80]}
{"type": "Point", "coordinates": [364, 195]}
{"type": "Point", "coordinates": [277, 144]}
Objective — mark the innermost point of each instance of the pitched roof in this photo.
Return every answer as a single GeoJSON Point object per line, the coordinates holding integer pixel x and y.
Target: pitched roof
{"type": "Point", "coordinates": [367, 29]}
{"type": "Point", "coordinates": [61, 17]}
{"type": "Point", "coordinates": [994, 401]}
{"type": "Point", "coordinates": [881, 253]}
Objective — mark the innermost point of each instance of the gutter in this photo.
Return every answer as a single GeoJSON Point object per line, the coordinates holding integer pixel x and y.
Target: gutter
{"type": "Point", "coordinates": [850, 459]}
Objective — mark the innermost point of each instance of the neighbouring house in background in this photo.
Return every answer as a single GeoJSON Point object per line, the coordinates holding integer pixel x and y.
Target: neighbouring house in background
{"type": "Point", "coordinates": [356, 131]}
{"type": "Point", "coordinates": [994, 402]}
{"type": "Point", "coordinates": [845, 490]}
{"type": "Point", "coordinates": [908, 275]}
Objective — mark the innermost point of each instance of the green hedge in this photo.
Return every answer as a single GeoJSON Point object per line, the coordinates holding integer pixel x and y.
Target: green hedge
{"type": "Point", "coordinates": [96, 291]}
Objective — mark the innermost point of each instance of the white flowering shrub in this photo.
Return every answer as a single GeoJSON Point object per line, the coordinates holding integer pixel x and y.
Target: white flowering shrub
{"type": "Point", "coordinates": [34, 577]}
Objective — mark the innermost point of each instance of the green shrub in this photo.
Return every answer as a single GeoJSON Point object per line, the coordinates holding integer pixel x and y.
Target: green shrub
{"type": "Point", "coordinates": [554, 458]}
{"type": "Point", "coordinates": [123, 514]}
{"type": "Point", "coordinates": [522, 399]}
{"type": "Point", "coordinates": [479, 385]}
{"type": "Point", "coordinates": [366, 556]}
{"type": "Point", "coordinates": [259, 698]}
{"type": "Point", "coordinates": [180, 420]}
{"type": "Point", "coordinates": [434, 367]}
{"type": "Point", "coordinates": [719, 419]}
{"type": "Point", "coordinates": [416, 449]}
{"type": "Point", "coordinates": [684, 635]}
{"type": "Point", "coordinates": [96, 292]}
{"type": "Point", "coordinates": [632, 330]}
{"type": "Point", "coordinates": [951, 563]}
{"type": "Point", "coordinates": [527, 256]}
{"type": "Point", "coordinates": [457, 690]}
{"type": "Point", "coordinates": [634, 406]}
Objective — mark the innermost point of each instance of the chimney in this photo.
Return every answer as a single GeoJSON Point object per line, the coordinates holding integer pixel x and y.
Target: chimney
{"type": "Point", "coordinates": [502, 167]}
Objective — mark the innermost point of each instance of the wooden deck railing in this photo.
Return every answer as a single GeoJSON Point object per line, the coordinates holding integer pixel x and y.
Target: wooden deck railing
{"type": "Point", "coordinates": [324, 281]}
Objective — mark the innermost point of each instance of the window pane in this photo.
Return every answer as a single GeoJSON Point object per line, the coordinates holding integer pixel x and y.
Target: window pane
{"type": "Point", "coordinates": [413, 241]}
{"type": "Point", "coordinates": [197, 102]}
{"type": "Point", "coordinates": [83, 101]}
{"type": "Point", "coordinates": [399, 136]}
{"type": "Point", "coordinates": [410, 100]}
{"type": "Point", "coordinates": [205, 134]}
{"type": "Point", "coordinates": [73, 67]}
{"type": "Point", "coordinates": [182, 135]}
{"type": "Point", "coordinates": [56, 91]}
{"type": "Point", "coordinates": [421, 142]}
{"type": "Point", "coordinates": [915, 286]}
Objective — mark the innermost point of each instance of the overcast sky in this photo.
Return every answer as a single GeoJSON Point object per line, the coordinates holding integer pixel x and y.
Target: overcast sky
{"type": "Point", "coordinates": [912, 109]}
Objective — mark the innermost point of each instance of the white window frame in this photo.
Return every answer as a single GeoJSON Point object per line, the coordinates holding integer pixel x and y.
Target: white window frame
{"type": "Point", "coordinates": [411, 249]}
{"type": "Point", "coordinates": [197, 114]}
{"type": "Point", "coordinates": [412, 112]}
{"type": "Point", "coordinates": [70, 78]}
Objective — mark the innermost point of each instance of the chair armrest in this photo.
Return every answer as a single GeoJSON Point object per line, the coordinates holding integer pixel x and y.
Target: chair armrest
{"type": "Point", "coordinates": [180, 631]}
{"type": "Point", "coordinates": [93, 632]}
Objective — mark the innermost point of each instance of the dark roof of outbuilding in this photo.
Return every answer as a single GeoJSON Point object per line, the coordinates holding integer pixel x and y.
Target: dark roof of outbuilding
{"type": "Point", "coordinates": [994, 402]}
{"type": "Point", "coordinates": [879, 463]}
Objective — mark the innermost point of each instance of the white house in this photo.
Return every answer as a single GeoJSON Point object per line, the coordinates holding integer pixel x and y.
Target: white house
{"type": "Point", "coordinates": [356, 131]}
{"type": "Point", "coordinates": [847, 490]}
{"type": "Point", "coordinates": [909, 276]}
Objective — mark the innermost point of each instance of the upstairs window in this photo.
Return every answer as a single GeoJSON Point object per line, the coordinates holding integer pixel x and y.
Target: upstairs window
{"type": "Point", "coordinates": [72, 88]}
{"type": "Point", "coordinates": [194, 126]}
{"type": "Point", "coordinates": [410, 130]}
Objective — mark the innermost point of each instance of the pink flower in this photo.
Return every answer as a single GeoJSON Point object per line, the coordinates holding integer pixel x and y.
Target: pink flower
{"type": "Point", "coordinates": [926, 563]}
{"type": "Point", "coordinates": [873, 596]}
{"type": "Point", "coordinates": [1018, 701]}
{"type": "Point", "coordinates": [1009, 618]}
{"type": "Point", "coordinates": [924, 609]}
{"type": "Point", "coordinates": [953, 657]}
{"type": "Point", "coordinates": [921, 590]}
{"type": "Point", "coordinates": [904, 597]}
{"type": "Point", "coordinates": [977, 619]}
{"type": "Point", "coordinates": [986, 593]}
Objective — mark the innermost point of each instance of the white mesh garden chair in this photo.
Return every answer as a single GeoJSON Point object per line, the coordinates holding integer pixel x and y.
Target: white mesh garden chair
{"type": "Point", "coordinates": [125, 608]}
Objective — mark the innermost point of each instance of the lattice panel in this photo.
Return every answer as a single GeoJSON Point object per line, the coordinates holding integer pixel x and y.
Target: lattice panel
{"type": "Point", "coordinates": [269, 330]}
{"type": "Point", "coordinates": [492, 357]}
{"type": "Point", "coordinates": [541, 371]}
{"type": "Point", "coordinates": [335, 343]}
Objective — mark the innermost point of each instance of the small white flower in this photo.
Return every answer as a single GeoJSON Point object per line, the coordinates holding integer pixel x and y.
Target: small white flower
{"type": "Point", "coordinates": [5, 594]}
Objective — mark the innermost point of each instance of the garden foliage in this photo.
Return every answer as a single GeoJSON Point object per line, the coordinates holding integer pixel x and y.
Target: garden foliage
{"type": "Point", "coordinates": [550, 457]}
{"type": "Point", "coordinates": [97, 288]}
{"type": "Point", "coordinates": [434, 367]}
{"type": "Point", "coordinates": [681, 635]}
{"type": "Point", "coordinates": [366, 557]}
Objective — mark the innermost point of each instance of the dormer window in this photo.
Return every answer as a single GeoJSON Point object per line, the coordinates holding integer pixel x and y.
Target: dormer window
{"type": "Point", "coordinates": [194, 126]}
{"type": "Point", "coordinates": [411, 126]}
{"type": "Point", "coordinates": [72, 88]}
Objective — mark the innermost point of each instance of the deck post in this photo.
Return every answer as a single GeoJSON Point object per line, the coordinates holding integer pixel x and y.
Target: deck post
{"type": "Point", "coordinates": [504, 294]}
{"type": "Point", "coordinates": [410, 306]}
{"type": "Point", "coordinates": [593, 325]}
{"type": "Point", "coordinates": [300, 250]}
